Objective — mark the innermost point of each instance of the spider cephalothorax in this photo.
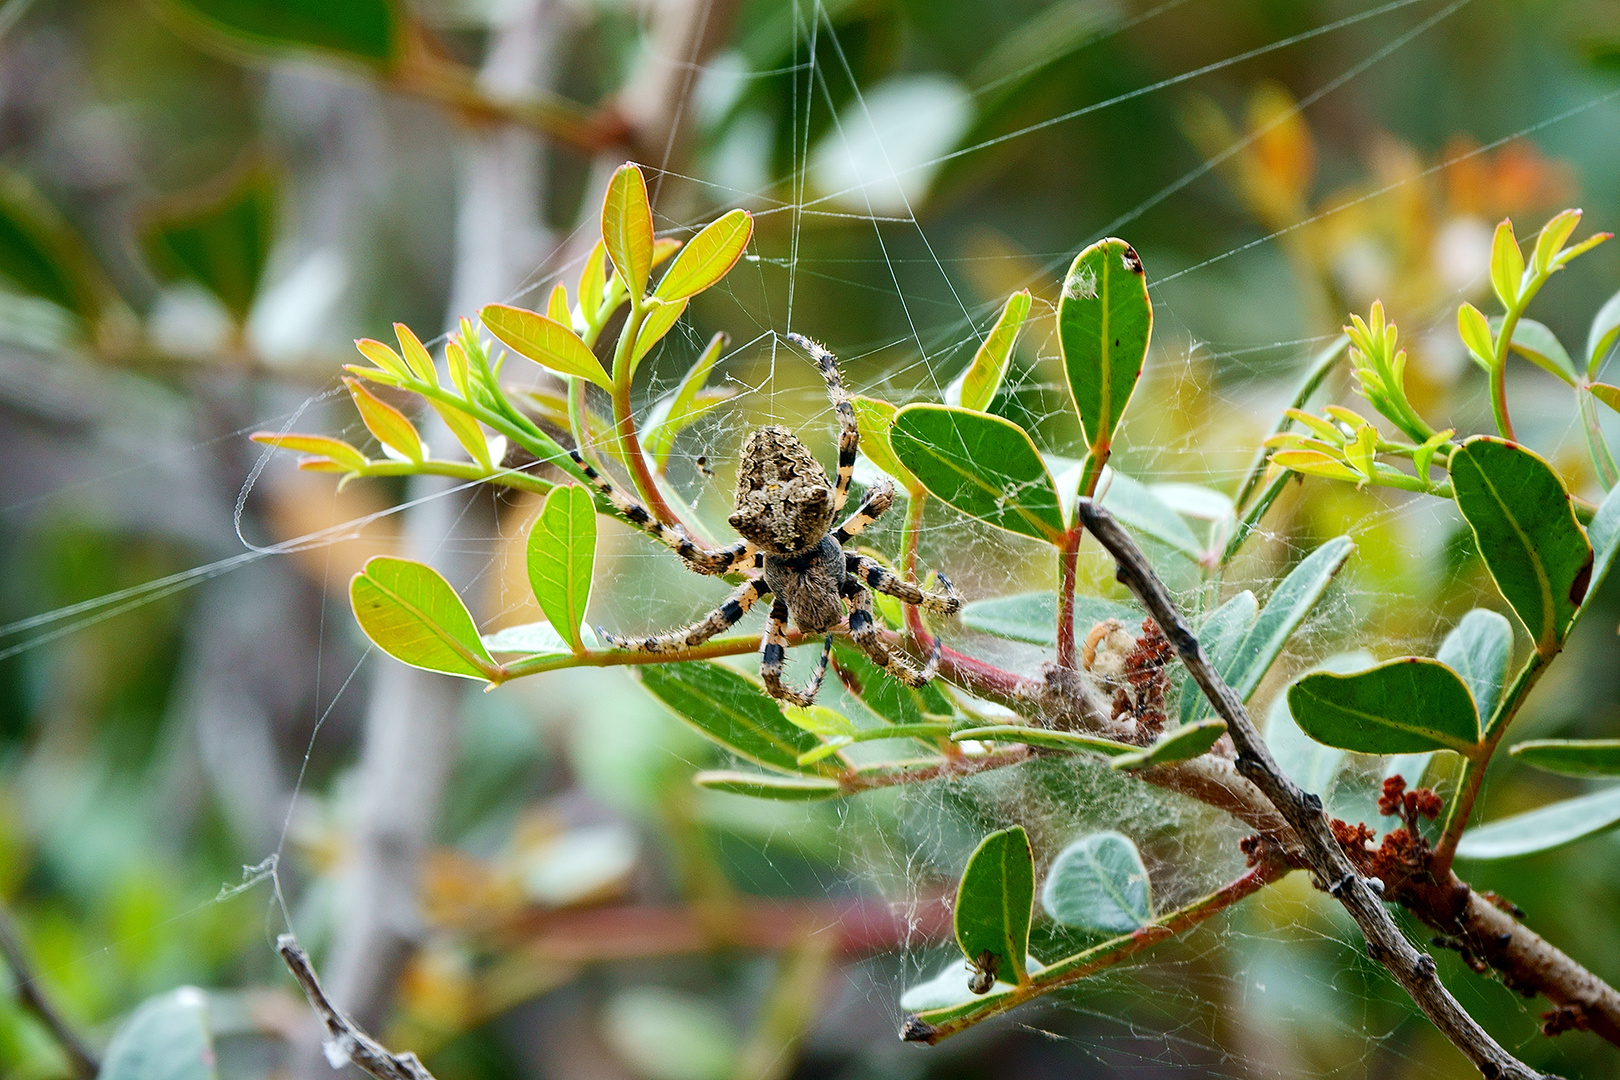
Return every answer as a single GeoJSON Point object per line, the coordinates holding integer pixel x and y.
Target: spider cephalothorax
{"type": "Point", "coordinates": [785, 507]}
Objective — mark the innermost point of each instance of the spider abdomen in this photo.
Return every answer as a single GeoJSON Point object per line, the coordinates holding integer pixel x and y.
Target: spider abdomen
{"type": "Point", "coordinates": [808, 583]}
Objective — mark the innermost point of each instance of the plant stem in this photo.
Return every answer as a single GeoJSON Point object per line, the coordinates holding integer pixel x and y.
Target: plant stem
{"type": "Point", "coordinates": [342, 1034]}
{"type": "Point", "coordinates": [460, 470]}
{"type": "Point", "coordinates": [1321, 364]}
{"type": "Point", "coordinates": [1100, 956]}
{"type": "Point", "coordinates": [624, 421]}
{"type": "Point", "coordinates": [1068, 558]}
{"type": "Point", "coordinates": [1499, 410]}
{"type": "Point", "coordinates": [1473, 770]}
{"type": "Point", "coordinates": [1596, 445]}
{"type": "Point", "coordinates": [32, 996]}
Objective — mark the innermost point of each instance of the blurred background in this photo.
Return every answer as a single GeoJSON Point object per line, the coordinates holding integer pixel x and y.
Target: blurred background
{"type": "Point", "coordinates": [203, 202]}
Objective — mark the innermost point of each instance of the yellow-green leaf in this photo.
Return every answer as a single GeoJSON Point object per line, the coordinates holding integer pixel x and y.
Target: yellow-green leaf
{"type": "Point", "coordinates": [338, 451]}
{"type": "Point", "coordinates": [467, 433]}
{"type": "Point", "coordinates": [977, 386]}
{"type": "Point", "coordinates": [592, 279]}
{"type": "Point", "coordinates": [411, 613]}
{"type": "Point", "coordinates": [1315, 463]}
{"type": "Point", "coordinates": [708, 256]}
{"type": "Point", "coordinates": [545, 341]}
{"type": "Point", "coordinates": [875, 418]}
{"type": "Point", "coordinates": [421, 364]}
{"type": "Point", "coordinates": [557, 305]}
{"type": "Point", "coordinates": [562, 559]}
{"type": "Point", "coordinates": [627, 230]}
{"type": "Point", "coordinates": [1475, 331]}
{"type": "Point", "coordinates": [661, 319]}
{"type": "Point", "coordinates": [1507, 264]}
{"type": "Point", "coordinates": [1609, 395]}
{"type": "Point", "coordinates": [383, 356]}
{"type": "Point", "coordinates": [392, 428]}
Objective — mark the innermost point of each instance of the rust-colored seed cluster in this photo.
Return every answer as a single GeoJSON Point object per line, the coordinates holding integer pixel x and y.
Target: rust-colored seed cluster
{"type": "Point", "coordinates": [1142, 698]}
{"type": "Point", "coordinates": [1402, 858]}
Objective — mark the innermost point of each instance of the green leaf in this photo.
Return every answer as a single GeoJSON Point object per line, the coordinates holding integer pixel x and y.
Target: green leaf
{"type": "Point", "coordinates": [1032, 617]}
{"type": "Point", "coordinates": [416, 355]}
{"type": "Point", "coordinates": [976, 387]}
{"type": "Point", "coordinates": [1604, 534]}
{"type": "Point", "coordinates": [950, 988]}
{"type": "Point", "coordinates": [707, 257]}
{"type": "Point", "coordinates": [1402, 706]}
{"type": "Point", "coordinates": [1543, 829]}
{"type": "Point", "coordinates": [167, 1038]}
{"type": "Point", "coordinates": [887, 697]}
{"type": "Point", "coordinates": [1553, 235]}
{"type": "Point", "coordinates": [1571, 757]}
{"type": "Point", "coordinates": [1099, 883]}
{"type": "Point", "coordinates": [392, 428]}
{"type": "Point", "coordinates": [875, 418]}
{"type": "Point", "coordinates": [627, 230]}
{"type": "Point", "coordinates": [1136, 506]}
{"type": "Point", "coordinates": [1601, 338]}
{"type": "Point", "coordinates": [592, 282]}
{"type": "Point", "coordinates": [41, 255]}
{"type": "Point", "coordinates": [545, 341]}
{"type": "Point", "coordinates": [1290, 602]}
{"type": "Point", "coordinates": [1047, 738]}
{"type": "Point", "coordinates": [534, 639]}
{"type": "Point", "coordinates": [219, 238]}
{"type": "Point", "coordinates": [689, 402]}
{"type": "Point", "coordinates": [984, 466]}
{"type": "Point", "coordinates": [820, 720]}
{"type": "Point", "coordinates": [1104, 322]}
{"type": "Point", "coordinates": [1178, 744]}
{"type": "Point", "coordinates": [1507, 264]}
{"type": "Point", "coordinates": [1310, 764]}
{"type": "Point", "coordinates": [732, 710]}
{"type": "Point", "coordinates": [766, 786]}
{"type": "Point", "coordinates": [371, 31]}
{"type": "Point", "coordinates": [562, 558]}
{"type": "Point", "coordinates": [1525, 526]}
{"type": "Point", "coordinates": [994, 902]}
{"type": "Point", "coordinates": [1219, 639]}
{"type": "Point", "coordinates": [411, 613]}
{"type": "Point", "coordinates": [1478, 650]}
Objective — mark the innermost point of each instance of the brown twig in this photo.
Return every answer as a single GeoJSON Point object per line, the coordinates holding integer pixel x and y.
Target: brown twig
{"type": "Point", "coordinates": [346, 1042]}
{"type": "Point", "coordinates": [1414, 970]}
{"type": "Point", "coordinates": [31, 995]}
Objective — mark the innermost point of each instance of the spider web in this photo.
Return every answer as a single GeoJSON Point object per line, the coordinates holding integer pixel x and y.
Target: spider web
{"type": "Point", "coordinates": [1226, 1000]}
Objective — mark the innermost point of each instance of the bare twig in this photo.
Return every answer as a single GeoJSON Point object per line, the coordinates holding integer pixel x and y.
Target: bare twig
{"type": "Point", "coordinates": [31, 995]}
{"type": "Point", "coordinates": [345, 1042]}
{"type": "Point", "coordinates": [1414, 970]}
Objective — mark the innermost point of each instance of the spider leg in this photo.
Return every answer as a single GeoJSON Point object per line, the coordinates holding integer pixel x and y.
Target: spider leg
{"type": "Point", "coordinates": [947, 601]}
{"type": "Point", "coordinates": [720, 619]}
{"type": "Point", "coordinates": [865, 635]}
{"type": "Point", "coordinates": [879, 499]}
{"type": "Point", "coordinates": [773, 653]}
{"type": "Point", "coordinates": [712, 561]}
{"type": "Point", "coordinates": [849, 433]}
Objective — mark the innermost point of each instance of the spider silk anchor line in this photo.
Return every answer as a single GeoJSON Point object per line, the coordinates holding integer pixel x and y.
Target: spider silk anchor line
{"type": "Point", "coordinates": [785, 508]}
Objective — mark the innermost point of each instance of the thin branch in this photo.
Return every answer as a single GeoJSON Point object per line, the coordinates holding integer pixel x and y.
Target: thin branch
{"type": "Point", "coordinates": [31, 995]}
{"type": "Point", "coordinates": [1414, 970]}
{"type": "Point", "coordinates": [346, 1043]}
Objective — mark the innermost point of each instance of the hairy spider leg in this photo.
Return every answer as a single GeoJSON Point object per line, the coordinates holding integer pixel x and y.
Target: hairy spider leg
{"type": "Point", "coordinates": [849, 433]}
{"type": "Point", "coordinates": [720, 619]}
{"type": "Point", "coordinates": [711, 561]}
{"type": "Point", "coordinates": [947, 601]}
{"type": "Point", "coordinates": [877, 501]}
{"type": "Point", "coordinates": [773, 654]}
{"type": "Point", "coordinates": [864, 633]}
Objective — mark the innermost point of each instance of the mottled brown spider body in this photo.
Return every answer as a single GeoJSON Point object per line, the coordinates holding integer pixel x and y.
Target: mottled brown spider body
{"type": "Point", "coordinates": [785, 508]}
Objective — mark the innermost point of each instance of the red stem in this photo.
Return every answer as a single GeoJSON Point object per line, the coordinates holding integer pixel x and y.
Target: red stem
{"type": "Point", "coordinates": [1069, 555]}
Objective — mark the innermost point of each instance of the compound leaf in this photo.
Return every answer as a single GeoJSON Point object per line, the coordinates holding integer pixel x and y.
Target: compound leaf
{"type": "Point", "coordinates": [994, 902]}
{"type": "Point", "coordinates": [1099, 883]}
{"type": "Point", "coordinates": [732, 710]}
{"type": "Point", "coordinates": [1104, 322]}
{"type": "Point", "coordinates": [413, 614]}
{"type": "Point", "coordinates": [562, 558]}
{"type": "Point", "coordinates": [1544, 828]}
{"type": "Point", "coordinates": [1402, 706]}
{"type": "Point", "coordinates": [984, 466]}
{"type": "Point", "coordinates": [1524, 524]}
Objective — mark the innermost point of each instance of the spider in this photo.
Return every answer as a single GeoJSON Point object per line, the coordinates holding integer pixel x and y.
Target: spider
{"type": "Point", "coordinates": [785, 506]}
